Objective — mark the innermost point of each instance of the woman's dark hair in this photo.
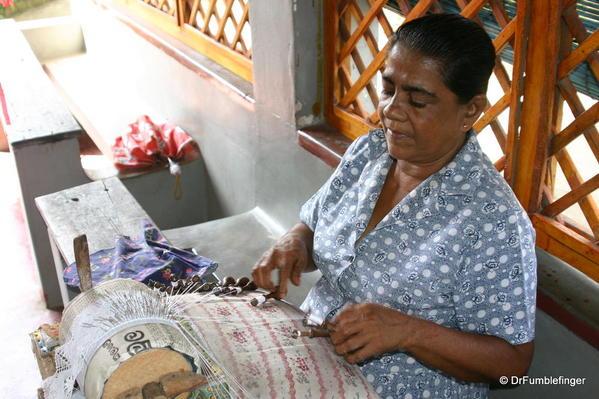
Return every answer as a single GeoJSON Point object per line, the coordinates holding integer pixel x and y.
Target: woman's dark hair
{"type": "Point", "coordinates": [462, 48]}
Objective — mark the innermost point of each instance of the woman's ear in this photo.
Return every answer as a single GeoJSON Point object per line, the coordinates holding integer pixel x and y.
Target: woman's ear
{"type": "Point", "coordinates": [474, 108]}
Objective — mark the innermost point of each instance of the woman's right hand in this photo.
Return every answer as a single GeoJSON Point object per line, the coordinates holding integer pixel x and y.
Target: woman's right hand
{"type": "Point", "coordinates": [291, 255]}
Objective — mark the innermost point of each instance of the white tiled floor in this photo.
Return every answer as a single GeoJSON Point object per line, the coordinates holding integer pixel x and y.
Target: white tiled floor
{"type": "Point", "coordinates": [22, 307]}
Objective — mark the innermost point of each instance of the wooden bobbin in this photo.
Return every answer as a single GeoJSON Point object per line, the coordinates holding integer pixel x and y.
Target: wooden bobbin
{"type": "Point", "coordinates": [261, 299]}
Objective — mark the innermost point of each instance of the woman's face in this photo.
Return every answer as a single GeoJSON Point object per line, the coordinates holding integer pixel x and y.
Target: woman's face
{"type": "Point", "coordinates": [422, 118]}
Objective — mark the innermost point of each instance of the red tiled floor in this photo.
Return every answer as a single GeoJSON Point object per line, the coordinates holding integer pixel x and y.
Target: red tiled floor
{"type": "Point", "coordinates": [22, 308]}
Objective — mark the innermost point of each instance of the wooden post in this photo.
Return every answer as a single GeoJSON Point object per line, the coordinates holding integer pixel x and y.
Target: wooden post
{"type": "Point", "coordinates": [181, 12]}
{"type": "Point", "coordinates": [84, 272]}
{"type": "Point", "coordinates": [331, 26]}
{"type": "Point", "coordinates": [537, 107]}
{"type": "Point", "coordinates": [522, 30]}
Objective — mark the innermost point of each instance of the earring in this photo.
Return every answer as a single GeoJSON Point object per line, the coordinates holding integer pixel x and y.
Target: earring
{"type": "Point", "coordinates": [465, 126]}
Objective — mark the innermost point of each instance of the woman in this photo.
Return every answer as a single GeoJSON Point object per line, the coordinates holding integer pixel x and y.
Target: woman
{"type": "Point", "coordinates": [427, 259]}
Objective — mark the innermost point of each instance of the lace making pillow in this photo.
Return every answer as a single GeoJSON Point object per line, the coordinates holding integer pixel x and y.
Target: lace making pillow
{"type": "Point", "coordinates": [255, 345]}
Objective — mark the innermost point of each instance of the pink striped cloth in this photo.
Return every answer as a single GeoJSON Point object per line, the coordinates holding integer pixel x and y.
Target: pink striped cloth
{"type": "Point", "coordinates": [255, 345]}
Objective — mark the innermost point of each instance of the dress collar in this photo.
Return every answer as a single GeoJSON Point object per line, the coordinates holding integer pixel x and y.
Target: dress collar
{"type": "Point", "coordinates": [468, 159]}
{"type": "Point", "coordinates": [454, 183]}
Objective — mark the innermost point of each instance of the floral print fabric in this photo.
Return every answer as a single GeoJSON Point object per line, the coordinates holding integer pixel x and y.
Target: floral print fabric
{"type": "Point", "coordinates": [458, 251]}
{"type": "Point", "coordinates": [255, 345]}
{"type": "Point", "coordinates": [150, 257]}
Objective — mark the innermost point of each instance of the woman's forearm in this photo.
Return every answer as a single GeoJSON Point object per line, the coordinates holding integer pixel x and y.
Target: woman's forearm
{"type": "Point", "coordinates": [304, 233]}
{"type": "Point", "coordinates": [365, 330]}
{"type": "Point", "coordinates": [466, 356]}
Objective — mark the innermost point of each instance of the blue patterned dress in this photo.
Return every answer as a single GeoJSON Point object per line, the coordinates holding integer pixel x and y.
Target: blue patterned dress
{"type": "Point", "coordinates": [458, 251]}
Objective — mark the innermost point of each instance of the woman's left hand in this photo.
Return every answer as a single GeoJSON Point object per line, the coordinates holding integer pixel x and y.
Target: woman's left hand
{"type": "Point", "coordinates": [365, 330]}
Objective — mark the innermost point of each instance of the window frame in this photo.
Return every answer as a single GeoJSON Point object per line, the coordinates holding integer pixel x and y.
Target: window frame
{"type": "Point", "coordinates": [176, 23]}
{"type": "Point", "coordinates": [529, 149]}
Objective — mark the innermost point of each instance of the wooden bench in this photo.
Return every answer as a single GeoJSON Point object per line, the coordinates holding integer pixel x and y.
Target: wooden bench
{"type": "Point", "coordinates": [42, 136]}
{"type": "Point", "coordinates": [104, 209]}
{"type": "Point", "coordinates": [105, 101]}
{"type": "Point", "coordinates": [45, 138]}
{"type": "Point", "coordinates": [101, 210]}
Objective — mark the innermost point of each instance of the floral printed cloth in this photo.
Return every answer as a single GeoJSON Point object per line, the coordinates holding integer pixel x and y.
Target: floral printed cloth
{"type": "Point", "coordinates": [150, 257]}
{"type": "Point", "coordinates": [458, 251]}
{"type": "Point", "coordinates": [255, 346]}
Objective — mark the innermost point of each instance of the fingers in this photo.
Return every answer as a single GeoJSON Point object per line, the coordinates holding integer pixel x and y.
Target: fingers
{"type": "Point", "coordinates": [261, 273]}
{"type": "Point", "coordinates": [359, 355]}
{"type": "Point", "coordinates": [289, 256]}
{"type": "Point", "coordinates": [350, 315]}
{"type": "Point", "coordinates": [343, 333]}
{"type": "Point", "coordinates": [359, 344]}
{"type": "Point", "coordinates": [290, 269]}
{"type": "Point", "coordinates": [296, 272]}
{"type": "Point", "coordinates": [353, 336]}
{"type": "Point", "coordinates": [284, 275]}
{"type": "Point", "coordinates": [351, 345]}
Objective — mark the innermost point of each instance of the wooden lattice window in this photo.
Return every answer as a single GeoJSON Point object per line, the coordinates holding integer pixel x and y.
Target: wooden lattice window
{"type": "Point", "coordinates": [227, 22]}
{"type": "Point", "coordinates": [363, 27]}
{"type": "Point", "coordinates": [219, 29]}
{"type": "Point", "coordinates": [533, 156]}
{"type": "Point", "coordinates": [568, 220]}
{"type": "Point", "coordinates": [166, 6]}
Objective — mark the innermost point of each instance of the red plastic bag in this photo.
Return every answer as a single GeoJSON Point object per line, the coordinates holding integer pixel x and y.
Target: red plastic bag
{"type": "Point", "coordinates": [148, 144]}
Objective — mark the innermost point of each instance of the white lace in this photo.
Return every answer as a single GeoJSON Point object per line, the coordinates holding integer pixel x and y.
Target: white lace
{"type": "Point", "coordinates": [108, 314]}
